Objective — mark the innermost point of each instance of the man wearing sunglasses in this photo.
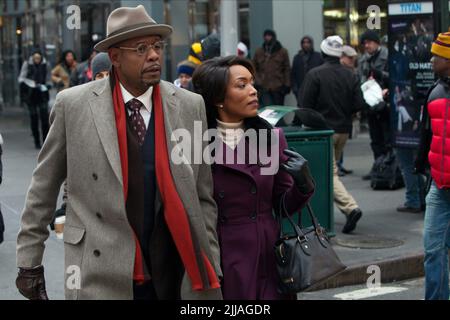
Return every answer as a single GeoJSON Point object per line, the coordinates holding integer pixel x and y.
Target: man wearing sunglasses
{"type": "Point", "coordinates": [138, 226]}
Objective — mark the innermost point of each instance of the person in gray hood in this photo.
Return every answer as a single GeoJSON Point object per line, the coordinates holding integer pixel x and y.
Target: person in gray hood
{"type": "Point", "coordinates": [305, 60]}
{"type": "Point", "coordinates": [34, 80]}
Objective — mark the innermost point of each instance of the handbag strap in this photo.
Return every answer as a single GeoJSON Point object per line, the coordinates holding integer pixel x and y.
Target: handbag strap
{"type": "Point", "coordinates": [296, 226]}
{"type": "Point", "coordinates": [283, 212]}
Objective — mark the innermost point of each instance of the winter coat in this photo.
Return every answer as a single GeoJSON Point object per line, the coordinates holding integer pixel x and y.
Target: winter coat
{"type": "Point", "coordinates": [247, 228]}
{"type": "Point", "coordinates": [434, 150]}
{"type": "Point", "coordinates": [272, 66]}
{"type": "Point", "coordinates": [31, 77]}
{"type": "Point", "coordinates": [375, 65]}
{"type": "Point", "coordinates": [302, 63]}
{"type": "Point", "coordinates": [61, 76]}
{"type": "Point", "coordinates": [81, 74]}
{"type": "Point", "coordinates": [82, 147]}
{"type": "Point", "coordinates": [334, 91]}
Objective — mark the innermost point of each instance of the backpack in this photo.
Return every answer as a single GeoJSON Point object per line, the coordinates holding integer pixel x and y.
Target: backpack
{"type": "Point", "coordinates": [386, 173]}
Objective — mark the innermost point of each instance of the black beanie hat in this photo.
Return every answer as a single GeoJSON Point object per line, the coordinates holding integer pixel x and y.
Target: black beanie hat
{"type": "Point", "coordinates": [270, 33]}
{"type": "Point", "coordinates": [370, 35]}
{"type": "Point", "coordinates": [36, 50]}
{"type": "Point", "coordinates": [100, 63]}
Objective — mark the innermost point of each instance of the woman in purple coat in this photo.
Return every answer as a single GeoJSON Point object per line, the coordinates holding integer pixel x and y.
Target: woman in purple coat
{"type": "Point", "coordinates": [245, 189]}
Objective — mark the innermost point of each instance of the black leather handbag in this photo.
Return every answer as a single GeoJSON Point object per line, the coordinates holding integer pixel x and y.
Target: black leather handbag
{"type": "Point", "coordinates": [305, 257]}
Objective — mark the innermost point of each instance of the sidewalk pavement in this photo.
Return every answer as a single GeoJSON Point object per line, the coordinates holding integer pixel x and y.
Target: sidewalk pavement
{"type": "Point", "coordinates": [381, 225]}
{"type": "Point", "coordinates": [383, 237]}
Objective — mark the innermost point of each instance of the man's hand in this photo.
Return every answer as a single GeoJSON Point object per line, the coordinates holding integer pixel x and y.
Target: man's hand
{"type": "Point", "coordinates": [31, 283]}
{"type": "Point", "coordinates": [298, 168]}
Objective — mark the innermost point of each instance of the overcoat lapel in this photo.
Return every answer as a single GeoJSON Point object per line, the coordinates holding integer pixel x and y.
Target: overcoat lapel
{"type": "Point", "coordinates": [102, 108]}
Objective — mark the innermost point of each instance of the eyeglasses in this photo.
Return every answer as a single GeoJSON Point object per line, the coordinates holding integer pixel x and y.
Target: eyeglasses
{"type": "Point", "coordinates": [144, 48]}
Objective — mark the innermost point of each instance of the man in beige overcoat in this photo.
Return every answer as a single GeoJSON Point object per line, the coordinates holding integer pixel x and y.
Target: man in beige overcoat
{"type": "Point", "coordinates": [138, 225]}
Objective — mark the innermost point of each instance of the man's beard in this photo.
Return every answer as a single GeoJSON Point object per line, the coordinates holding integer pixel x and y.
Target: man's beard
{"type": "Point", "coordinates": [150, 83]}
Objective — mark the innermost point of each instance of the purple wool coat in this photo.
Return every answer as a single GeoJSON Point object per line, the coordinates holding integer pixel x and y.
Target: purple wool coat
{"type": "Point", "coordinates": [247, 228]}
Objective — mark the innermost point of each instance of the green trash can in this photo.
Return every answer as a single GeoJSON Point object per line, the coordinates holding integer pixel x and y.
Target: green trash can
{"type": "Point", "coordinates": [316, 147]}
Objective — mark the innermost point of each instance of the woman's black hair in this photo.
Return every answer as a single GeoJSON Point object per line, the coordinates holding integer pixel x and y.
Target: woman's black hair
{"type": "Point", "coordinates": [64, 54]}
{"type": "Point", "coordinates": [210, 80]}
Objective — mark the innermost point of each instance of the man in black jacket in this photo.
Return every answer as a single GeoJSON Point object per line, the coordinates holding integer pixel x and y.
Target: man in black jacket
{"type": "Point", "coordinates": [304, 61]}
{"type": "Point", "coordinates": [333, 90]}
{"type": "Point", "coordinates": [374, 64]}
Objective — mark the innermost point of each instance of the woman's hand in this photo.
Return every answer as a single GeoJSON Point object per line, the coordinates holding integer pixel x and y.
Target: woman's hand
{"type": "Point", "coordinates": [298, 168]}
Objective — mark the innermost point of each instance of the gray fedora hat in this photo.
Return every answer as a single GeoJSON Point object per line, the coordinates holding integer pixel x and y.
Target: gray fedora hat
{"type": "Point", "coordinates": [126, 23]}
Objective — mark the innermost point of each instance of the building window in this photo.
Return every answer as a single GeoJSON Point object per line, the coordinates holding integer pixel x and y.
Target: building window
{"type": "Point", "coordinates": [203, 18]}
{"type": "Point", "coordinates": [244, 28]}
{"type": "Point", "coordinates": [348, 19]}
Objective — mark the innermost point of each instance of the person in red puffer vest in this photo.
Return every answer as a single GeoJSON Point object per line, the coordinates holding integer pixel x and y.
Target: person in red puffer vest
{"type": "Point", "coordinates": [434, 154]}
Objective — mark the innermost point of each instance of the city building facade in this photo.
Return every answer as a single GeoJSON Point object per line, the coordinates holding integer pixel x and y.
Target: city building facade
{"type": "Point", "coordinates": [53, 26]}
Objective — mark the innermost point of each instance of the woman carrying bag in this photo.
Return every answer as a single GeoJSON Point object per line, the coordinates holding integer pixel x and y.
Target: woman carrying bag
{"type": "Point", "coordinates": [245, 194]}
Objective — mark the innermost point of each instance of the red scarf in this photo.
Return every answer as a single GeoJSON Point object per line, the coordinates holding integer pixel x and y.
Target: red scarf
{"type": "Point", "coordinates": [174, 212]}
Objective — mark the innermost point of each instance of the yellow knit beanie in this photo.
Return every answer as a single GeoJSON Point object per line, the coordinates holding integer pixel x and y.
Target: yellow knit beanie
{"type": "Point", "coordinates": [195, 53]}
{"type": "Point", "coordinates": [441, 46]}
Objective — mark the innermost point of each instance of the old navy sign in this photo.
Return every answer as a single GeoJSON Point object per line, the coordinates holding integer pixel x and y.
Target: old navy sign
{"type": "Point", "coordinates": [410, 8]}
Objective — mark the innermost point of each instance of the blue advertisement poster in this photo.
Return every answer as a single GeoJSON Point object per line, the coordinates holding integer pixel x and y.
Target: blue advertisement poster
{"type": "Point", "coordinates": [411, 34]}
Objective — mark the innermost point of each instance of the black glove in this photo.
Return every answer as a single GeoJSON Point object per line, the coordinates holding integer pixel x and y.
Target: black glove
{"type": "Point", "coordinates": [31, 283]}
{"type": "Point", "coordinates": [298, 168]}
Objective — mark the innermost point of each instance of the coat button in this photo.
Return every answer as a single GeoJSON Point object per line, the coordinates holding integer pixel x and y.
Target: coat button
{"type": "Point", "coordinates": [253, 216]}
{"type": "Point", "coordinates": [97, 253]}
{"type": "Point", "coordinates": [221, 194]}
{"type": "Point", "coordinates": [98, 214]}
{"type": "Point", "coordinates": [253, 190]}
{"type": "Point", "coordinates": [94, 175]}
